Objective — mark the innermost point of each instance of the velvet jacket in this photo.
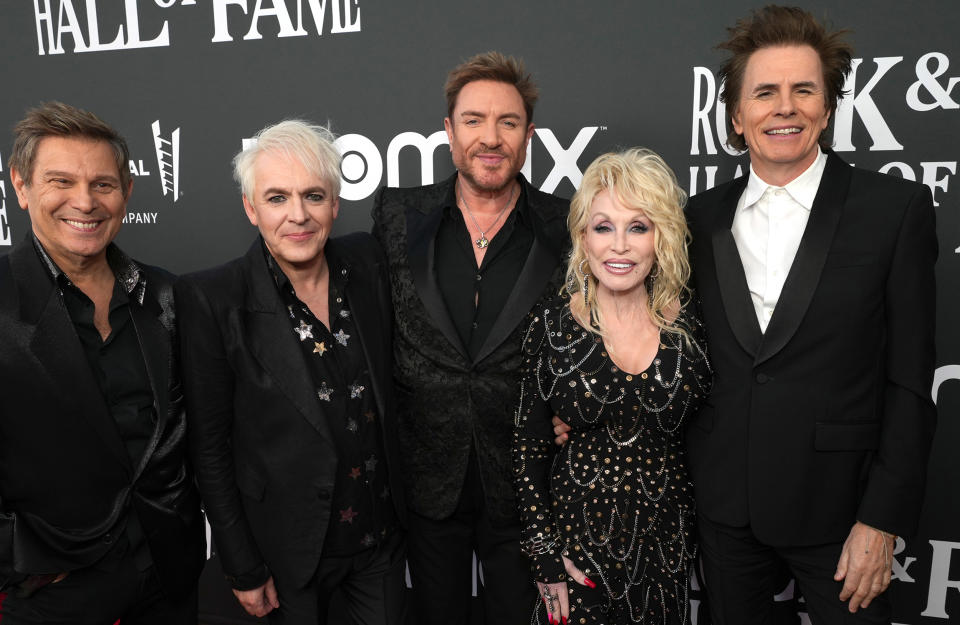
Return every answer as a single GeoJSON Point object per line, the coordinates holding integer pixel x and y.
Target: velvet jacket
{"type": "Point", "coordinates": [446, 401]}
{"type": "Point", "coordinates": [67, 482]}
{"type": "Point", "coordinates": [826, 418]}
{"type": "Point", "coordinates": [264, 453]}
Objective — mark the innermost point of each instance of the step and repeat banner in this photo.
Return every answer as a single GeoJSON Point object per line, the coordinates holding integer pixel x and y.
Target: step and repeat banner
{"type": "Point", "coordinates": [186, 81]}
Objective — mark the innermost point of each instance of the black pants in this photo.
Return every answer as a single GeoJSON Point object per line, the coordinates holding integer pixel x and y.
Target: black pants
{"type": "Point", "coordinates": [373, 584]}
{"type": "Point", "coordinates": [741, 573]}
{"type": "Point", "coordinates": [101, 596]}
{"type": "Point", "coordinates": [440, 557]}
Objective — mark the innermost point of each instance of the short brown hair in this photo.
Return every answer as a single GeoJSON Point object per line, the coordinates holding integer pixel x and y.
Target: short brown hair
{"type": "Point", "coordinates": [56, 119]}
{"type": "Point", "coordinates": [774, 26]}
{"type": "Point", "coordinates": [492, 66]}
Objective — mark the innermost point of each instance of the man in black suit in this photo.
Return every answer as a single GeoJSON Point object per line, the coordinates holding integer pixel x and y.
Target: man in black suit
{"type": "Point", "coordinates": [99, 517]}
{"type": "Point", "coordinates": [817, 285]}
{"type": "Point", "coordinates": [468, 259]}
{"type": "Point", "coordinates": [287, 367]}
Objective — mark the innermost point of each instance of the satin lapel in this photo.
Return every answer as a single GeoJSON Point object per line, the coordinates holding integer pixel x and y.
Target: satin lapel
{"type": "Point", "coordinates": [274, 344]}
{"type": "Point", "coordinates": [801, 282]}
{"type": "Point", "coordinates": [421, 234]}
{"type": "Point", "coordinates": [536, 272]}
{"type": "Point", "coordinates": [154, 341]}
{"type": "Point", "coordinates": [731, 279]}
{"type": "Point", "coordinates": [55, 344]}
{"type": "Point", "coordinates": [366, 313]}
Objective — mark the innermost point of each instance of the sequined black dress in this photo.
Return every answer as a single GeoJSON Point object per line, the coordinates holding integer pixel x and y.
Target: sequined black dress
{"type": "Point", "coordinates": [616, 499]}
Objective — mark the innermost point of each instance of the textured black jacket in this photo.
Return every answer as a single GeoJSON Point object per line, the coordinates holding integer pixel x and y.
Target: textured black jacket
{"type": "Point", "coordinates": [66, 480]}
{"type": "Point", "coordinates": [447, 402]}
{"type": "Point", "coordinates": [264, 453]}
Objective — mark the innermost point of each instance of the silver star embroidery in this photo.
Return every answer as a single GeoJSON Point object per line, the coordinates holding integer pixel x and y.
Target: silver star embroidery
{"type": "Point", "coordinates": [368, 540]}
{"type": "Point", "coordinates": [356, 390]}
{"type": "Point", "coordinates": [324, 392]}
{"type": "Point", "coordinates": [345, 314]}
{"type": "Point", "coordinates": [305, 331]}
{"type": "Point", "coordinates": [352, 425]}
{"type": "Point", "coordinates": [341, 337]}
{"type": "Point", "coordinates": [370, 463]}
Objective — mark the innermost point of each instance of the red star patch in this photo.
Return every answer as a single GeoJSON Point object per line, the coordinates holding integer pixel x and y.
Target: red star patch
{"type": "Point", "coordinates": [355, 472]}
{"type": "Point", "coordinates": [346, 516]}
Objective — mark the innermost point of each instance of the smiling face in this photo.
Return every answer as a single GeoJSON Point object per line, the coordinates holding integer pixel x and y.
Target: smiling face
{"type": "Point", "coordinates": [619, 245]}
{"type": "Point", "coordinates": [293, 209]}
{"type": "Point", "coordinates": [782, 111]}
{"type": "Point", "coordinates": [75, 200]}
{"type": "Point", "coordinates": [488, 134]}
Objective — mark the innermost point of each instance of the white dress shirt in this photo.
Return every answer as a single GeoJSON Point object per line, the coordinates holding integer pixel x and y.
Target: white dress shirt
{"type": "Point", "coordinates": [767, 227]}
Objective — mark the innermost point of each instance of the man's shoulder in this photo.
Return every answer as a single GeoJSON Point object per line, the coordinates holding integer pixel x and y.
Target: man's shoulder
{"type": "Point", "coordinates": [882, 184]}
{"type": "Point", "coordinates": [356, 248]}
{"type": "Point", "coordinates": [715, 195]}
{"type": "Point", "coordinates": [424, 194]}
{"type": "Point", "coordinates": [547, 204]}
{"type": "Point", "coordinates": [217, 282]}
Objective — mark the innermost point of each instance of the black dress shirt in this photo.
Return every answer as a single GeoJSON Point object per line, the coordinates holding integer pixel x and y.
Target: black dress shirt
{"type": "Point", "coordinates": [118, 366]}
{"type": "Point", "coordinates": [361, 509]}
{"type": "Point", "coordinates": [475, 295]}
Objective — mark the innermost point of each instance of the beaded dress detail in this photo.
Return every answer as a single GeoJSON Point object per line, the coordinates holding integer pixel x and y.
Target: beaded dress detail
{"type": "Point", "coordinates": [616, 499]}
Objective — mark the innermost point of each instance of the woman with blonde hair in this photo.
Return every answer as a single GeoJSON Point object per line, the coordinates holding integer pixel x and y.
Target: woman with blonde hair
{"type": "Point", "coordinates": [619, 356]}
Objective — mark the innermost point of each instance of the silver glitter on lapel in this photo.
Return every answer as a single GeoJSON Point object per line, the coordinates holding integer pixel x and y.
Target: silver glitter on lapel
{"type": "Point", "coordinates": [344, 314]}
{"type": "Point", "coordinates": [324, 392]}
{"type": "Point", "coordinates": [341, 337]}
{"type": "Point", "coordinates": [355, 390]}
{"type": "Point", "coordinates": [305, 331]}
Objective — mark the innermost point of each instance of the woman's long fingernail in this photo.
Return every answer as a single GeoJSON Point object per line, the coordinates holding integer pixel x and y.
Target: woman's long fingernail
{"type": "Point", "coordinates": [588, 582]}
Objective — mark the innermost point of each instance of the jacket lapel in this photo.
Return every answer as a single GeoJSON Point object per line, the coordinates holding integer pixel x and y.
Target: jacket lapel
{"type": "Point", "coordinates": [804, 275]}
{"type": "Point", "coordinates": [154, 341]}
{"type": "Point", "coordinates": [422, 225]}
{"type": "Point", "coordinates": [541, 262]}
{"type": "Point", "coordinates": [274, 344]}
{"type": "Point", "coordinates": [54, 343]}
{"type": "Point", "coordinates": [731, 279]}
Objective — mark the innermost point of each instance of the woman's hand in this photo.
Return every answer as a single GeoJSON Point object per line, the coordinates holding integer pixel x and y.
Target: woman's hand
{"type": "Point", "coordinates": [555, 596]}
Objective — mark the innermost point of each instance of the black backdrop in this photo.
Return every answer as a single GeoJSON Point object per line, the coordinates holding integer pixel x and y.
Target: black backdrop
{"type": "Point", "coordinates": [187, 80]}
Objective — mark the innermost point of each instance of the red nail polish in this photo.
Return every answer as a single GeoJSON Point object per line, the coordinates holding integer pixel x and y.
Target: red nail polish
{"type": "Point", "coordinates": [564, 620]}
{"type": "Point", "coordinates": [588, 582]}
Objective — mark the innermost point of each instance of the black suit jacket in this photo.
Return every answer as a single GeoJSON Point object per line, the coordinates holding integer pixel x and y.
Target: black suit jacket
{"type": "Point", "coordinates": [446, 401]}
{"type": "Point", "coordinates": [264, 453]}
{"type": "Point", "coordinates": [66, 480]}
{"type": "Point", "coordinates": [826, 418]}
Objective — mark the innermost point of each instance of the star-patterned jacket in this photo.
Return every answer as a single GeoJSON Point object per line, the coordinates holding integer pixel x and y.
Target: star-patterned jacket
{"type": "Point", "coordinates": [265, 455]}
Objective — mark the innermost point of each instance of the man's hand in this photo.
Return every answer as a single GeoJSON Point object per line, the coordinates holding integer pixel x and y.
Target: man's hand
{"type": "Point", "coordinates": [865, 565]}
{"type": "Point", "coordinates": [560, 429]}
{"type": "Point", "coordinates": [259, 601]}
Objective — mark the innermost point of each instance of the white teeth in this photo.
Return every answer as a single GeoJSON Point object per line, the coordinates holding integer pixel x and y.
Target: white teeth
{"type": "Point", "coordinates": [620, 265]}
{"type": "Point", "coordinates": [783, 131]}
{"type": "Point", "coordinates": [83, 225]}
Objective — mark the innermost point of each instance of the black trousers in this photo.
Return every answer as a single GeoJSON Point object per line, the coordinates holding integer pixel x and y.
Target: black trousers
{"type": "Point", "coordinates": [373, 583]}
{"type": "Point", "coordinates": [101, 595]}
{"type": "Point", "coordinates": [741, 574]}
{"type": "Point", "coordinates": [440, 557]}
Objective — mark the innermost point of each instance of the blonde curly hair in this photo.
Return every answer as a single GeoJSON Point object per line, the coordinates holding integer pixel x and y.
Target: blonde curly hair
{"type": "Point", "coordinates": [640, 179]}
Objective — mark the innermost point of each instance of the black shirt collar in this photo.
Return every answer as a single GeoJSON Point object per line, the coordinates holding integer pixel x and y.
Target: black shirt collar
{"type": "Point", "coordinates": [521, 211]}
{"type": "Point", "coordinates": [339, 269]}
{"type": "Point", "coordinates": [128, 273]}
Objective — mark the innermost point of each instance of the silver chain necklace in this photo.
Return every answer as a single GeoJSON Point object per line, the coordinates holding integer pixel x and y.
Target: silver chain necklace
{"type": "Point", "coordinates": [483, 241]}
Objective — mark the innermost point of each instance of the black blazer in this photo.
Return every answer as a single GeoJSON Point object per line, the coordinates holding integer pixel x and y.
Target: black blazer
{"type": "Point", "coordinates": [826, 418]}
{"type": "Point", "coordinates": [66, 480]}
{"type": "Point", "coordinates": [447, 402]}
{"type": "Point", "coordinates": [264, 454]}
